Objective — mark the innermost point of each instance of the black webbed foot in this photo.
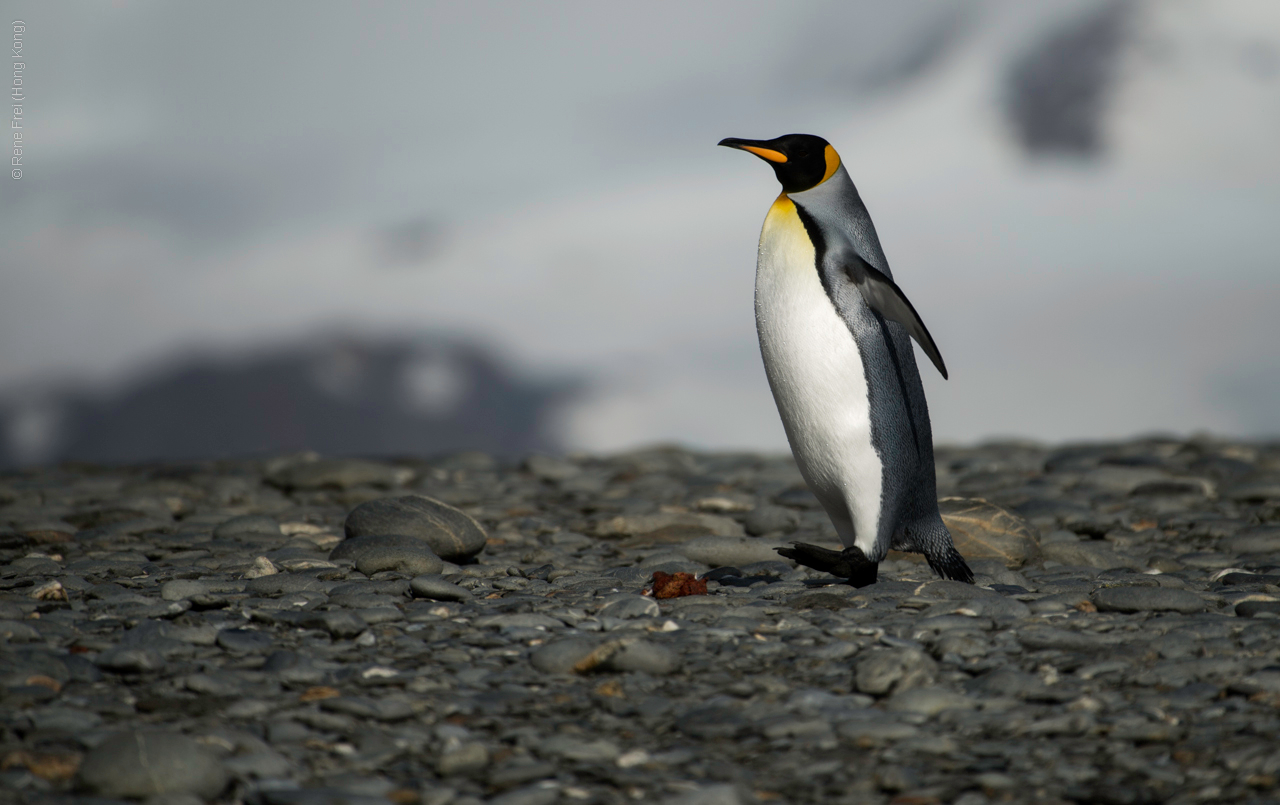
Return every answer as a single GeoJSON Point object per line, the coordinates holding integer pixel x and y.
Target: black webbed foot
{"type": "Point", "coordinates": [851, 563]}
{"type": "Point", "coordinates": [949, 564]}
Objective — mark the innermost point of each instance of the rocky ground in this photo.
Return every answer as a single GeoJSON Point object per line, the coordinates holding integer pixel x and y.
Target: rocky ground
{"type": "Point", "coordinates": [188, 633]}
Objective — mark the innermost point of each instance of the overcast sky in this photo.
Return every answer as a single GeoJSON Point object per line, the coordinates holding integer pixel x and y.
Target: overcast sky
{"type": "Point", "coordinates": [542, 178]}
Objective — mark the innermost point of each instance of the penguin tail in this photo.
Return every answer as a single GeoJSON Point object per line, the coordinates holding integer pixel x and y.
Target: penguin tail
{"type": "Point", "coordinates": [851, 563]}
{"type": "Point", "coordinates": [949, 564]}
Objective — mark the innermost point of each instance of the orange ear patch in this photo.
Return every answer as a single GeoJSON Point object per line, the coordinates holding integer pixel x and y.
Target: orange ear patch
{"type": "Point", "coordinates": [833, 163]}
{"type": "Point", "coordinates": [765, 153]}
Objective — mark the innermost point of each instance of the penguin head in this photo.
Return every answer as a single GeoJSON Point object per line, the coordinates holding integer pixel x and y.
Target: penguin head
{"type": "Point", "coordinates": [800, 161]}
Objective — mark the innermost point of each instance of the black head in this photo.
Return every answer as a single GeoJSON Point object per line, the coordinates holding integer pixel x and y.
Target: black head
{"type": "Point", "coordinates": [800, 161]}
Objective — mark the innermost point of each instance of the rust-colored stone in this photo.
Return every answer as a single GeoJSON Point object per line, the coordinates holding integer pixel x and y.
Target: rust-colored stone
{"type": "Point", "coordinates": [666, 585]}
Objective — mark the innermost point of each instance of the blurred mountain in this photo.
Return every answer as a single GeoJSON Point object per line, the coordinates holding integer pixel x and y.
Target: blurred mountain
{"type": "Point", "coordinates": [1077, 195]}
{"type": "Point", "coordinates": [343, 396]}
{"type": "Point", "coordinates": [1057, 89]}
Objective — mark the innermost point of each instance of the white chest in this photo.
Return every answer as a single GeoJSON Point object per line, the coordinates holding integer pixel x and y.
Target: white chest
{"type": "Point", "coordinates": [815, 371]}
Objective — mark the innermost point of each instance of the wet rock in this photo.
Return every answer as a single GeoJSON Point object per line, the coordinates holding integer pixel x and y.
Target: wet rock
{"type": "Point", "coordinates": [450, 533]}
{"type": "Point", "coordinates": [140, 764]}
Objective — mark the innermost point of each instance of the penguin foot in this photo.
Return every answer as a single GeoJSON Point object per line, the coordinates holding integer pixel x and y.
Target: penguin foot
{"type": "Point", "coordinates": [949, 564]}
{"type": "Point", "coordinates": [851, 563]}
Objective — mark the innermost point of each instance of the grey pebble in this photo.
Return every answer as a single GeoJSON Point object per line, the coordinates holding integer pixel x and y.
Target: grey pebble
{"type": "Point", "coordinates": [1085, 554]}
{"type": "Point", "coordinates": [177, 589]}
{"type": "Point", "coordinates": [129, 660]}
{"type": "Point", "coordinates": [286, 583]}
{"type": "Point", "coordinates": [928, 701]}
{"type": "Point", "coordinates": [1259, 539]}
{"type": "Point", "coordinates": [142, 764]}
{"type": "Point", "coordinates": [245, 641]}
{"type": "Point", "coordinates": [534, 670]}
{"type": "Point", "coordinates": [894, 670]}
{"type": "Point", "coordinates": [530, 795]}
{"type": "Point", "coordinates": [708, 795]}
{"type": "Point", "coordinates": [1255, 609]}
{"type": "Point", "coordinates": [721, 551]}
{"type": "Point", "coordinates": [437, 588]}
{"type": "Point", "coordinates": [630, 606]}
{"type": "Point", "coordinates": [377, 552]}
{"type": "Point", "coordinates": [465, 759]}
{"type": "Point", "coordinates": [451, 534]}
{"type": "Point", "coordinates": [246, 524]}
{"type": "Point", "coordinates": [1147, 599]}
{"type": "Point", "coordinates": [769, 519]}
{"type": "Point", "coordinates": [563, 656]}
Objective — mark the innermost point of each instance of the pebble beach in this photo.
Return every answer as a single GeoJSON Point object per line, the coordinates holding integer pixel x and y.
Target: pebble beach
{"type": "Point", "coordinates": [305, 630]}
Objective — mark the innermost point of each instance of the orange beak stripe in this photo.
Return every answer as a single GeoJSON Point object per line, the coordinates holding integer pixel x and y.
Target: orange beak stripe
{"type": "Point", "coordinates": [765, 153]}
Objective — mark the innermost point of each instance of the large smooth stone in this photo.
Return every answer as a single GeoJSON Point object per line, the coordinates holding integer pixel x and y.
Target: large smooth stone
{"type": "Point", "coordinates": [451, 533]}
{"type": "Point", "coordinates": [143, 764]}
{"type": "Point", "coordinates": [983, 530]}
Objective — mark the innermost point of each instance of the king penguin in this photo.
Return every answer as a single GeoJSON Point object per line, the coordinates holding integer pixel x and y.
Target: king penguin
{"type": "Point", "coordinates": [835, 334]}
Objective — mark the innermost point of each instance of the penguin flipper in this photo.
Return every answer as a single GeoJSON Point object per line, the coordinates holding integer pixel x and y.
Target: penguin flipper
{"type": "Point", "coordinates": [885, 297]}
{"type": "Point", "coordinates": [851, 563]}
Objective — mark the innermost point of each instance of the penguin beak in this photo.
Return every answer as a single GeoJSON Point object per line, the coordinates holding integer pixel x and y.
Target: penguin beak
{"type": "Point", "coordinates": [758, 147]}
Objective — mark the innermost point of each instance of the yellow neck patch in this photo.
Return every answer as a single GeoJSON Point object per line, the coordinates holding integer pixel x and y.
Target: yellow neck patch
{"type": "Point", "coordinates": [833, 163]}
